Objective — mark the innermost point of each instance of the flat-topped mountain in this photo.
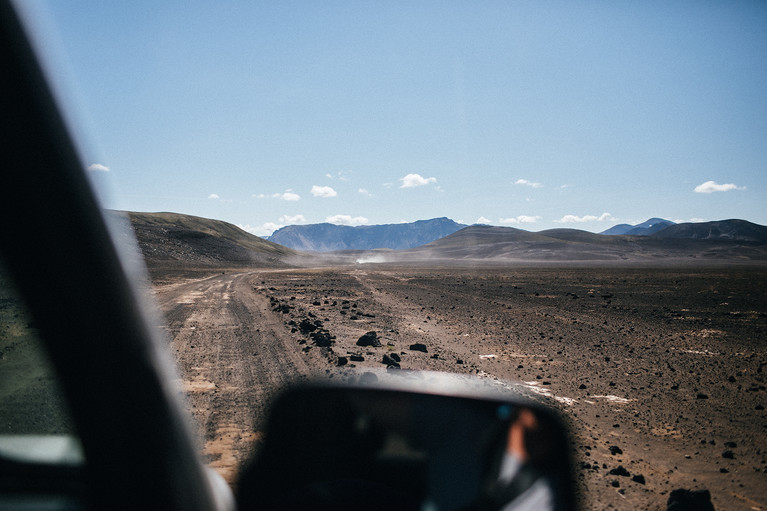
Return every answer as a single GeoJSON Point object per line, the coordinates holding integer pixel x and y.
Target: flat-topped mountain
{"type": "Point", "coordinates": [330, 237]}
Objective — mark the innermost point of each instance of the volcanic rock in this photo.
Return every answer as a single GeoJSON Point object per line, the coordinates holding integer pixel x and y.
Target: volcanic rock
{"type": "Point", "coordinates": [369, 339]}
{"type": "Point", "coordinates": [689, 500]}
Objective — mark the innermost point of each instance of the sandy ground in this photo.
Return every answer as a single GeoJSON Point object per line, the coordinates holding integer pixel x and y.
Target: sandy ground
{"type": "Point", "coordinates": [664, 364]}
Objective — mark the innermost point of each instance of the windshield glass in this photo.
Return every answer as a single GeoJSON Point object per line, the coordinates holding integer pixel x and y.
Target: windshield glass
{"type": "Point", "coordinates": [569, 196]}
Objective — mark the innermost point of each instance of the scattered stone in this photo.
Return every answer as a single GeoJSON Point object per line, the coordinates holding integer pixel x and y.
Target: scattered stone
{"type": "Point", "coordinates": [689, 500]}
{"type": "Point", "coordinates": [728, 454]}
{"type": "Point", "coordinates": [615, 484]}
{"type": "Point", "coordinates": [701, 395]}
{"type": "Point", "coordinates": [459, 361]}
{"type": "Point", "coordinates": [724, 470]}
{"type": "Point", "coordinates": [390, 361]}
{"type": "Point", "coordinates": [614, 449]}
{"type": "Point", "coordinates": [418, 347]}
{"type": "Point", "coordinates": [322, 338]}
{"type": "Point", "coordinates": [582, 386]}
{"type": "Point", "coordinates": [731, 445]}
{"type": "Point", "coordinates": [620, 471]}
{"type": "Point", "coordinates": [369, 339]}
{"type": "Point", "coordinates": [638, 478]}
{"type": "Point", "coordinates": [307, 326]}
{"type": "Point", "coordinates": [342, 361]}
{"type": "Point", "coordinates": [356, 358]}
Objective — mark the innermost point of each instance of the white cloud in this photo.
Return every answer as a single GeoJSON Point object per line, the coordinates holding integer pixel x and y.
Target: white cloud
{"type": "Point", "coordinates": [569, 219]}
{"type": "Point", "coordinates": [483, 220]}
{"type": "Point", "coordinates": [346, 220]}
{"type": "Point", "coordinates": [265, 229]}
{"type": "Point", "coordinates": [527, 183]}
{"type": "Point", "coordinates": [713, 186]}
{"type": "Point", "coordinates": [413, 180]}
{"type": "Point", "coordinates": [340, 175]}
{"type": "Point", "coordinates": [289, 195]}
{"type": "Point", "coordinates": [363, 191]}
{"type": "Point", "coordinates": [213, 196]}
{"type": "Point", "coordinates": [268, 228]}
{"type": "Point", "coordinates": [292, 219]}
{"type": "Point", "coordinates": [98, 167]}
{"type": "Point", "coordinates": [323, 191]}
{"type": "Point", "coordinates": [521, 219]}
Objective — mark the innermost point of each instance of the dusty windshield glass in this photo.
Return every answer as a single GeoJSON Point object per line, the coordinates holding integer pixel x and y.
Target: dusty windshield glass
{"type": "Point", "coordinates": [567, 196]}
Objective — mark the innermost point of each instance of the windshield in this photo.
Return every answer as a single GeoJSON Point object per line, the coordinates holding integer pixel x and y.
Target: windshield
{"type": "Point", "coordinates": [566, 195]}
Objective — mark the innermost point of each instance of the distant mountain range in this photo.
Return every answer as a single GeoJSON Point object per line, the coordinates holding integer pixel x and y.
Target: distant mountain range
{"type": "Point", "coordinates": [720, 240]}
{"type": "Point", "coordinates": [651, 226]}
{"type": "Point", "coordinates": [329, 237]}
{"type": "Point", "coordinates": [170, 239]}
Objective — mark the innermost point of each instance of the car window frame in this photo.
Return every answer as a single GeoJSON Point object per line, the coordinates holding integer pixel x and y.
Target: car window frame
{"type": "Point", "coordinates": [57, 248]}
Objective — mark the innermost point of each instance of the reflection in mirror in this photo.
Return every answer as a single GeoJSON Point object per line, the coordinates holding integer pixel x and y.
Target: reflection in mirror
{"type": "Point", "coordinates": [375, 448]}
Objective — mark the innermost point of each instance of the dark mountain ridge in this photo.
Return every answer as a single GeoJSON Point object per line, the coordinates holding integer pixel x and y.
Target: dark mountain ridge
{"type": "Point", "coordinates": [725, 230]}
{"type": "Point", "coordinates": [646, 228]}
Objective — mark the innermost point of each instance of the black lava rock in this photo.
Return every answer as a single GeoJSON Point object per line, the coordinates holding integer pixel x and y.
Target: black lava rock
{"type": "Point", "coordinates": [369, 339]}
{"type": "Point", "coordinates": [418, 347]}
{"type": "Point", "coordinates": [620, 471]}
{"type": "Point", "coordinates": [689, 500]}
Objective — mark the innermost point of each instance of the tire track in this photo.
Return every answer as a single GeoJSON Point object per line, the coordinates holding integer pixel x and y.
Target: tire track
{"type": "Point", "coordinates": [232, 356]}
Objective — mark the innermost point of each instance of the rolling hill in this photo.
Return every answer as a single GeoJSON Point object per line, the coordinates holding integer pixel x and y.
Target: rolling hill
{"type": "Point", "coordinates": [175, 238]}
{"type": "Point", "coordinates": [735, 240]}
{"type": "Point", "coordinates": [729, 230]}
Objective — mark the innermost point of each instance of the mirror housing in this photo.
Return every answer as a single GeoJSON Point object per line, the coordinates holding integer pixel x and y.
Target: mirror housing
{"type": "Point", "coordinates": [410, 440]}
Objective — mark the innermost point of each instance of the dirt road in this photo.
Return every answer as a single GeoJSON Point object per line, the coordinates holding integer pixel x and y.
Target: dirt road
{"type": "Point", "coordinates": [659, 370]}
{"type": "Point", "coordinates": [232, 355]}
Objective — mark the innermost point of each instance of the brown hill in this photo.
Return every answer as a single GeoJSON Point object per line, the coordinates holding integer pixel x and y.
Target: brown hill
{"type": "Point", "coordinates": [489, 244]}
{"type": "Point", "coordinates": [173, 238]}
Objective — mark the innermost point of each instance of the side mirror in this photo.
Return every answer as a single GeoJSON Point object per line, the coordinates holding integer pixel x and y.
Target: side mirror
{"type": "Point", "coordinates": [423, 441]}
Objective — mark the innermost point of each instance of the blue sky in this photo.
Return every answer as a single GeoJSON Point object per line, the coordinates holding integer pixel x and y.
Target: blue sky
{"type": "Point", "coordinates": [528, 114]}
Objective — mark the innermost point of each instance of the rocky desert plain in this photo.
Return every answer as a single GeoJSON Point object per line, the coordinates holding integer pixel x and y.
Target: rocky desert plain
{"type": "Point", "coordinates": [658, 366]}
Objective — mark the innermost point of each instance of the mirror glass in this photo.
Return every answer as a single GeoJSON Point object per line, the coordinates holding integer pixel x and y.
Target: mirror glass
{"type": "Point", "coordinates": [372, 448]}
